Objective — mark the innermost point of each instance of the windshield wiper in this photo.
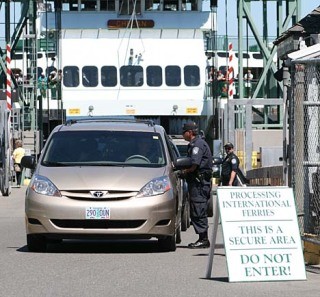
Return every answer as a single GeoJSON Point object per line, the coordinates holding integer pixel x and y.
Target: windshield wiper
{"type": "Point", "coordinates": [106, 164]}
{"type": "Point", "coordinates": [55, 164]}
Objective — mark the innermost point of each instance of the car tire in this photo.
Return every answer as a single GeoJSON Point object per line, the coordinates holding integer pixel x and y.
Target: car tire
{"type": "Point", "coordinates": [210, 207]}
{"type": "Point", "coordinates": [188, 214]}
{"type": "Point", "coordinates": [36, 243]}
{"type": "Point", "coordinates": [178, 234]}
{"type": "Point", "coordinates": [168, 243]}
{"type": "Point", "coordinates": [185, 218]}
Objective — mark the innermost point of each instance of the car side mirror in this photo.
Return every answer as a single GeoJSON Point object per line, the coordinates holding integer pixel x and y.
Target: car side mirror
{"type": "Point", "coordinates": [217, 160]}
{"type": "Point", "coordinates": [216, 167]}
{"type": "Point", "coordinates": [28, 162]}
{"type": "Point", "coordinates": [182, 163]}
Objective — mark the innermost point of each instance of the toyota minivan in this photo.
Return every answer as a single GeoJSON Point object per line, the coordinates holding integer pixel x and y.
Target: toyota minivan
{"type": "Point", "coordinates": [104, 179]}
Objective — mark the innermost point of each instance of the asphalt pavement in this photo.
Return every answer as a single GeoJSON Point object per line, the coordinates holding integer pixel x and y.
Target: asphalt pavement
{"type": "Point", "coordinates": [123, 269]}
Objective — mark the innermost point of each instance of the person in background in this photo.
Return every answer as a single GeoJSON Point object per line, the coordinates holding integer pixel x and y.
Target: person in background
{"type": "Point", "coordinates": [220, 76]}
{"type": "Point", "coordinates": [17, 155]}
{"type": "Point", "coordinates": [230, 166]}
{"type": "Point", "coordinates": [42, 85]}
{"type": "Point", "coordinates": [248, 77]}
{"type": "Point", "coordinates": [198, 177]}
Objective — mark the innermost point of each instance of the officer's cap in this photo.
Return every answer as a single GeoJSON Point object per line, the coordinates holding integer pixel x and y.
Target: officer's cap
{"type": "Point", "coordinates": [189, 126]}
{"type": "Point", "coordinates": [228, 145]}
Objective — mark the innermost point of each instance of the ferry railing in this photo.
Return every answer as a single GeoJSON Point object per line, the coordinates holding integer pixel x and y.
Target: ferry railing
{"type": "Point", "coordinates": [217, 89]}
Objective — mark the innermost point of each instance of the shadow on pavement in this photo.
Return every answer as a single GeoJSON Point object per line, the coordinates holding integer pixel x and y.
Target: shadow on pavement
{"type": "Point", "coordinates": [218, 279]}
{"type": "Point", "coordinates": [101, 246]}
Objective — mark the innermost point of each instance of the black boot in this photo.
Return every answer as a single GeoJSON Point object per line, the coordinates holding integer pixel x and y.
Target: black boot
{"type": "Point", "coordinates": [202, 243]}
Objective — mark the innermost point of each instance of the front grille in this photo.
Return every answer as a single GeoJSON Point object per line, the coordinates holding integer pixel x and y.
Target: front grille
{"type": "Point", "coordinates": [86, 195]}
{"type": "Point", "coordinates": [98, 224]}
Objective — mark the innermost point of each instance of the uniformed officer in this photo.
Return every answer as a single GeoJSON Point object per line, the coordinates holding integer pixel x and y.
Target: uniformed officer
{"type": "Point", "coordinates": [198, 177]}
{"type": "Point", "coordinates": [230, 166]}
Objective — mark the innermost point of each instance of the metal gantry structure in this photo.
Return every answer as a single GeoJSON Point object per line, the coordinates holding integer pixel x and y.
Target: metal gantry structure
{"type": "Point", "coordinates": [292, 15]}
{"type": "Point", "coordinates": [21, 31]}
{"type": "Point", "coordinates": [288, 13]}
{"type": "Point", "coordinates": [13, 96]}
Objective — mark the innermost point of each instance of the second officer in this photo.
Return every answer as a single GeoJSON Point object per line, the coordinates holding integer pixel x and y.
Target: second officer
{"type": "Point", "coordinates": [230, 167]}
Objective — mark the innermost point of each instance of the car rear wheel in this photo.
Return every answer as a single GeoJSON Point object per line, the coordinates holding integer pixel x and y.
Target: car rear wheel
{"type": "Point", "coordinates": [210, 207]}
{"type": "Point", "coordinates": [188, 214]}
{"type": "Point", "coordinates": [36, 243]}
{"type": "Point", "coordinates": [178, 234]}
{"type": "Point", "coordinates": [185, 219]}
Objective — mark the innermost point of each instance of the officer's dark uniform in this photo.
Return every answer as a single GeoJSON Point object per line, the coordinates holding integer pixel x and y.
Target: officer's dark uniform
{"type": "Point", "coordinates": [199, 186]}
{"type": "Point", "coordinates": [229, 164]}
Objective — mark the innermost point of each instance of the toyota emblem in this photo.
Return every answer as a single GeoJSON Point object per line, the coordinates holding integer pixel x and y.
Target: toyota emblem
{"type": "Point", "coordinates": [98, 194]}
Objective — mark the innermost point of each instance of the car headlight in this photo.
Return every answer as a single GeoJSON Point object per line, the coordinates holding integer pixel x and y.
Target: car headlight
{"type": "Point", "coordinates": [156, 186]}
{"type": "Point", "coordinates": [43, 186]}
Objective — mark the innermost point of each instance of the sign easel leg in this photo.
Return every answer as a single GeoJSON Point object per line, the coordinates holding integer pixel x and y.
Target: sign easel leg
{"type": "Point", "coordinates": [213, 239]}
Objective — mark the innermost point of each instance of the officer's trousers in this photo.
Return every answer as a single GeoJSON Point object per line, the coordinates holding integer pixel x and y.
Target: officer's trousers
{"type": "Point", "coordinates": [199, 195]}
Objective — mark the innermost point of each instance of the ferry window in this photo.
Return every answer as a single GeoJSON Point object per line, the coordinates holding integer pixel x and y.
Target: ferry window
{"type": "Point", "coordinates": [31, 57]}
{"type": "Point", "coordinates": [189, 5]}
{"type": "Point", "coordinates": [154, 76]}
{"type": "Point", "coordinates": [173, 76]}
{"type": "Point", "coordinates": [71, 76]}
{"type": "Point", "coordinates": [191, 76]}
{"type": "Point", "coordinates": [223, 54]}
{"type": "Point", "coordinates": [255, 71]}
{"type": "Point", "coordinates": [126, 6]}
{"type": "Point", "coordinates": [51, 55]}
{"type": "Point", "coordinates": [131, 76]}
{"type": "Point", "coordinates": [244, 55]}
{"type": "Point", "coordinates": [90, 76]}
{"type": "Point", "coordinates": [257, 56]}
{"type": "Point", "coordinates": [153, 5]}
{"type": "Point", "coordinates": [88, 5]}
{"type": "Point", "coordinates": [17, 56]}
{"type": "Point", "coordinates": [69, 5]}
{"type": "Point", "coordinates": [172, 5]}
{"type": "Point", "coordinates": [108, 5]}
{"type": "Point", "coordinates": [109, 76]}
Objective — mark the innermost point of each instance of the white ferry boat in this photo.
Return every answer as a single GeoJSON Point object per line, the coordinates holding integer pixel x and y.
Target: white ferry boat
{"type": "Point", "coordinates": [145, 59]}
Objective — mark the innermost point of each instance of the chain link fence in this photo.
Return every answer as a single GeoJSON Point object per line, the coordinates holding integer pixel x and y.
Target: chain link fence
{"type": "Point", "coordinates": [304, 144]}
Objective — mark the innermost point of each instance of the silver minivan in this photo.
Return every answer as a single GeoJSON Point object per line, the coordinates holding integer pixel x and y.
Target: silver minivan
{"type": "Point", "coordinates": [104, 179]}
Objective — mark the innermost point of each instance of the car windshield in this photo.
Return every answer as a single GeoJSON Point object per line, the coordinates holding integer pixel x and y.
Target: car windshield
{"type": "Point", "coordinates": [183, 150]}
{"type": "Point", "coordinates": [104, 148]}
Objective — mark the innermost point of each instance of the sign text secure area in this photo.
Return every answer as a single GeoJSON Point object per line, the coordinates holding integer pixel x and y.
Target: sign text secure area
{"type": "Point", "coordinates": [261, 234]}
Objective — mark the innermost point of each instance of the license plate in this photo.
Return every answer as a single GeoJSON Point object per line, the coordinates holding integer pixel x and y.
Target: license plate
{"type": "Point", "coordinates": [97, 213]}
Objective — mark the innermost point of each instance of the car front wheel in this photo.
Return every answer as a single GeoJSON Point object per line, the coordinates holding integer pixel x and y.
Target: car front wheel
{"type": "Point", "coordinates": [168, 243]}
{"type": "Point", "coordinates": [36, 243]}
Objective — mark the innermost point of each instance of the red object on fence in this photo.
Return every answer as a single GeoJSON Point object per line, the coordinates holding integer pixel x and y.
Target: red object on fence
{"type": "Point", "coordinates": [8, 83]}
{"type": "Point", "coordinates": [230, 74]}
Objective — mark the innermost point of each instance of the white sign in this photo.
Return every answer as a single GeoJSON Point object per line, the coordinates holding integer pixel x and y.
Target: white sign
{"type": "Point", "coordinates": [261, 234]}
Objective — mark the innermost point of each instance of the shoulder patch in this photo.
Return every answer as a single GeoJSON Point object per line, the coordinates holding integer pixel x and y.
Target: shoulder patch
{"type": "Point", "coordinates": [195, 150]}
{"type": "Point", "coordinates": [234, 161]}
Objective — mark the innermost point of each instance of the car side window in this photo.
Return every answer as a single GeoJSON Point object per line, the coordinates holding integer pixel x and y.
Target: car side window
{"type": "Point", "coordinates": [169, 143]}
{"type": "Point", "coordinates": [174, 150]}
